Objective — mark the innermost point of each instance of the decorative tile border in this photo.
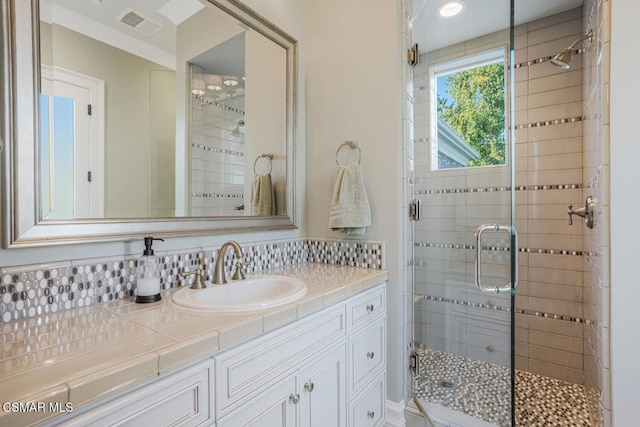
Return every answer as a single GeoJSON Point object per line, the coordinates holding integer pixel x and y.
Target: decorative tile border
{"type": "Point", "coordinates": [218, 150]}
{"type": "Point", "coordinates": [218, 195]}
{"type": "Point", "coordinates": [503, 249]}
{"type": "Point", "coordinates": [38, 290]}
{"type": "Point", "coordinates": [217, 104]}
{"type": "Point", "coordinates": [545, 187]}
{"type": "Point", "coordinates": [550, 122]}
{"type": "Point", "coordinates": [494, 307]}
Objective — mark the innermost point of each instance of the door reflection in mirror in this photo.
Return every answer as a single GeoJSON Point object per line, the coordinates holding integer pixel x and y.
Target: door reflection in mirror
{"type": "Point", "coordinates": [70, 184]}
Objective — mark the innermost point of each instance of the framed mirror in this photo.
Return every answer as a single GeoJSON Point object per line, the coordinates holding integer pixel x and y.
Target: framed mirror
{"type": "Point", "coordinates": [128, 118]}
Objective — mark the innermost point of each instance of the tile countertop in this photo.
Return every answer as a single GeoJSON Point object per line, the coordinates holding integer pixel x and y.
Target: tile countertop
{"type": "Point", "coordinates": [84, 354]}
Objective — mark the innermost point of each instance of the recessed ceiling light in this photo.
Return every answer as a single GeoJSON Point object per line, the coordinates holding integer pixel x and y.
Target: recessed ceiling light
{"type": "Point", "coordinates": [230, 82]}
{"type": "Point", "coordinates": [451, 8]}
{"type": "Point", "coordinates": [214, 88]}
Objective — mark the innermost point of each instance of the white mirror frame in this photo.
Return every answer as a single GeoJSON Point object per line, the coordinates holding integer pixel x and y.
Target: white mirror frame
{"type": "Point", "coordinates": [19, 133]}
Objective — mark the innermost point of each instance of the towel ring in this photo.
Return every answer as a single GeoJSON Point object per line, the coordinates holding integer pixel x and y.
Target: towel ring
{"type": "Point", "coordinates": [353, 145]}
{"type": "Point", "coordinates": [268, 156]}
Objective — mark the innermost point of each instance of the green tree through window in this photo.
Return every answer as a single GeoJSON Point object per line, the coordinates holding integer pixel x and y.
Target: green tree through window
{"type": "Point", "coordinates": [474, 106]}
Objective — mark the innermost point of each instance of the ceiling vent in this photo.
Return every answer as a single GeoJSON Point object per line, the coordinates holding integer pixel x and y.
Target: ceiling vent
{"type": "Point", "coordinates": [133, 19]}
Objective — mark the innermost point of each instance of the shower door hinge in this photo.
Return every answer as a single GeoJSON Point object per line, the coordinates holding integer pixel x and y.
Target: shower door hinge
{"type": "Point", "coordinates": [414, 210]}
{"type": "Point", "coordinates": [414, 363]}
{"type": "Point", "coordinates": [412, 55]}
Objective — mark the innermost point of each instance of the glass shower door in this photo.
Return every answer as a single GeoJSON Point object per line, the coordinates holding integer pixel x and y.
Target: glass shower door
{"type": "Point", "coordinates": [465, 244]}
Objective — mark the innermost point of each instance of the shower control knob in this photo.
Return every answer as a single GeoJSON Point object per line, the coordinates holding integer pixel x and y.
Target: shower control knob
{"type": "Point", "coordinates": [587, 212]}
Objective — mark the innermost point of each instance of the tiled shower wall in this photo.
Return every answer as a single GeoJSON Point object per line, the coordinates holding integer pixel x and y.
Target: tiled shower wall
{"type": "Point", "coordinates": [39, 290]}
{"type": "Point", "coordinates": [597, 365]}
{"type": "Point", "coordinates": [217, 153]}
{"type": "Point", "coordinates": [549, 155]}
{"type": "Point", "coordinates": [549, 130]}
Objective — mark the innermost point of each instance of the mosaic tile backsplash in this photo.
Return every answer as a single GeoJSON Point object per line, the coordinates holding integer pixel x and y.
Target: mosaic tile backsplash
{"type": "Point", "coordinates": [35, 290]}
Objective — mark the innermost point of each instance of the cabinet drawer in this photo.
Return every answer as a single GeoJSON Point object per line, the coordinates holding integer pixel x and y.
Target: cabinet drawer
{"type": "Point", "coordinates": [181, 399]}
{"type": "Point", "coordinates": [249, 367]}
{"type": "Point", "coordinates": [367, 307]}
{"type": "Point", "coordinates": [368, 408]}
{"type": "Point", "coordinates": [367, 353]}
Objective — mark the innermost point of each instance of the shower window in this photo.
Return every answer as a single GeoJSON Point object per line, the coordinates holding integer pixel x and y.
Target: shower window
{"type": "Point", "coordinates": [468, 111]}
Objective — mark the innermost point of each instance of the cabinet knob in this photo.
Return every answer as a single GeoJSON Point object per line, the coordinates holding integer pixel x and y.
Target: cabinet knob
{"type": "Point", "coordinates": [294, 398]}
{"type": "Point", "coordinates": [371, 414]}
{"type": "Point", "coordinates": [370, 308]}
{"type": "Point", "coordinates": [370, 355]}
{"type": "Point", "coordinates": [308, 387]}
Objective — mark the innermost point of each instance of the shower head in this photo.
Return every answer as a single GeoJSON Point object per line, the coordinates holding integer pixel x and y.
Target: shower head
{"type": "Point", "coordinates": [563, 58]}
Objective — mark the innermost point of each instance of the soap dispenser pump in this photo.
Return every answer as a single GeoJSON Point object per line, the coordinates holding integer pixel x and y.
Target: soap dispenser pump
{"type": "Point", "coordinates": [148, 286]}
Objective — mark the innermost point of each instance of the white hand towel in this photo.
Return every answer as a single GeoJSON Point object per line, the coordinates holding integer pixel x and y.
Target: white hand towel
{"type": "Point", "coordinates": [263, 202]}
{"type": "Point", "coordinates": [350, 212]}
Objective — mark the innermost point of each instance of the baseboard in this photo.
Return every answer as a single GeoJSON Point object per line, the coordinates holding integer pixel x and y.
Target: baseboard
{"type": "Point", "coordinates": [395, 414]}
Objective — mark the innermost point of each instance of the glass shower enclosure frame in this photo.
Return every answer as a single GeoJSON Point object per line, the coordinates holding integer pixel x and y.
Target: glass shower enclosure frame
{"type": "Point", "coordinates": [465, 243]}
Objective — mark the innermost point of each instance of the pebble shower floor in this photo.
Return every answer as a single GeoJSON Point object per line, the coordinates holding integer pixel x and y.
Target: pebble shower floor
{"type": "Point", "coordinates": [481, 390]}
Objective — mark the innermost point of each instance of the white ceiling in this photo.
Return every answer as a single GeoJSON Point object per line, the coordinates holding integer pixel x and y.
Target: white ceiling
{"type": "Point", "coordinates": [97, 18]}
{"type": "Point", "coordinates": [480, 17]}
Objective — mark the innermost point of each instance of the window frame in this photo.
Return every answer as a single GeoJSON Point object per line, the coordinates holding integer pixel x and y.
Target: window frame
{"type": "Point", "coordinates": [462, 63]}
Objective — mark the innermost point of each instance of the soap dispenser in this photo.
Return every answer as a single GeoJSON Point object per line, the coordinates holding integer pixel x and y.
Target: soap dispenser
{"type": "Point", "coordinates": [148, 286]}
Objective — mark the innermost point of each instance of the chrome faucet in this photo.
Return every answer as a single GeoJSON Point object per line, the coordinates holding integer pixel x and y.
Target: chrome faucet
{"type": "Point", "coordinates": [219, 276]}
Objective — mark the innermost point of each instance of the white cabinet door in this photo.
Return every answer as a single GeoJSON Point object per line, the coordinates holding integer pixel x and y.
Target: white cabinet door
{"type": "Point", "coordinates": [313, 396]}
{"type": "Point", "coordinates": [323, 396]}
{"type": "Point", "coordinates": [255, 365]}
{"type": "Point", "coordinates": [275, 406]}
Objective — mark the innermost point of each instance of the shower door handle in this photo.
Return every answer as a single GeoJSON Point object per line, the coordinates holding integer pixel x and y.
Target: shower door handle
{"type": "Point", "coordinates": [495, 228]}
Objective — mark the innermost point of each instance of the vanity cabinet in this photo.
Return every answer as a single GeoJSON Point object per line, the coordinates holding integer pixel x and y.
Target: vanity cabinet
{"type": "Point", "coordinates": [326, 369]}
{"type": "Point", "coordinates": [332, 366]}
{"type": "Point", "coordinates": [314, 395]}
{"type": "Point", "coordinates": [245, 370]}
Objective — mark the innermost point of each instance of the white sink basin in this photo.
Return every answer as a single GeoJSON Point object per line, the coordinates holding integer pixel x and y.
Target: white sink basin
{"type": "Point", "coordinates": [252, 293]}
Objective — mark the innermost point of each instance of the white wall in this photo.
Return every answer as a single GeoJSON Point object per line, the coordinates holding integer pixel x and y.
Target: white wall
{"type": "Point", "coordinates": [353, 93]}
{"type": "Point", "coordinates": [625, 208]}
